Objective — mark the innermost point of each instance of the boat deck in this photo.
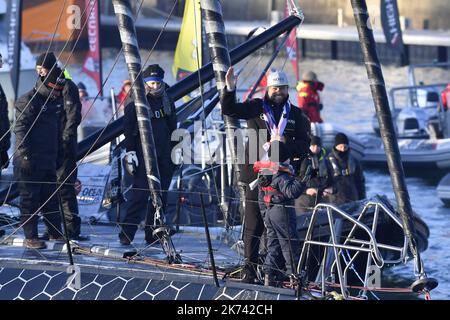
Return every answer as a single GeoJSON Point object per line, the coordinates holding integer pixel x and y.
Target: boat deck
{"type": "Point", "coordinates": [43, 274]}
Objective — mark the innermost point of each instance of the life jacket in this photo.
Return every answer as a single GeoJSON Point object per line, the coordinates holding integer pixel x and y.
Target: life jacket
{"type": "Point", "coordinates": [269, 168]}
{"type": "Point", "coordinates": [445, 95]}
{"type": "Point", "coordinates": [309, 99]}
{"type": "Point", "coordinates": [338, 170]}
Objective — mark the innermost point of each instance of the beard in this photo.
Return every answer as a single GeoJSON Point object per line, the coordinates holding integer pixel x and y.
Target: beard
{"type": "Point", "coordinates": [278, 99]}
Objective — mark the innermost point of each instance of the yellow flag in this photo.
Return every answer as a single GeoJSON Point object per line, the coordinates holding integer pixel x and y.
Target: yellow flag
{"type": "Point", "coordinates": [189, 42]}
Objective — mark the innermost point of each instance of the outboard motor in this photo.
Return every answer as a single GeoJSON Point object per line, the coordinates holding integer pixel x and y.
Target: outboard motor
{"type": "Point", "coordinates": [412, 123]}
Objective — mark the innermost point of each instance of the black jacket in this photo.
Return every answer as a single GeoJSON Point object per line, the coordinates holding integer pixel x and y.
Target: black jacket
{"type": "Point", "coordinates": [321, 171]}
{"type": "Point", "coordinates": [70, 118]}
{"type": "Point", "coordinates": [297, 130]}
{"type": "Point", "coordinates": [162, 128]}
{"type": "Point", "coordinates": [5, 142]}
{"type": "Point", "coordinates": [283, 190]}
{"type": "Point", "coordinates": [41, 145]}
{"type": "Point", "coordinates": [348, 178]}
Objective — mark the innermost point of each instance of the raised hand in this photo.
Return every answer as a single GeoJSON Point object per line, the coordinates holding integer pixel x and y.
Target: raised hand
{"type": "Point", "coordinates": [230, 79]}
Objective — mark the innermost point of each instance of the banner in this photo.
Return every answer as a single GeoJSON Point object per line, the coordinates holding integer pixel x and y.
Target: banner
{"type": "Point", "coordinates": [189, 42]}
{"type": "Point", "coordinates": [92, 65]}
{"type": "Point", "coordinates": [390, 21]}
{"type": "Point", "coordinates": [14, 41]}
{"type": "Point", "coordinates": [291, 44]}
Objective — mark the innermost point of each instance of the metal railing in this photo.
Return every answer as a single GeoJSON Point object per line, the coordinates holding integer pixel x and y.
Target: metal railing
{"type": "Point", "coordinates": [340, 261]}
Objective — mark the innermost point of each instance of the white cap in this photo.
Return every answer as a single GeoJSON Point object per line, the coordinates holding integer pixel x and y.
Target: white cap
{"type": "Point", "coordinates": [277, 78]}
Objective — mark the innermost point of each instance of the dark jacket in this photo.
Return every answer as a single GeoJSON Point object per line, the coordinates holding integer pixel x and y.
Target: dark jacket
{"type": "Point", "coordinates": [5, 141]}
{"type": "Point", "coordinates": [320, 168]}
{"type": "Point", "coordinates": [70, 118]}
{"type": "Point", "coordinates": [278, 189]}
{"type": "Point", "coordinates": [297, 130]}
{"type": "Point", "coordinates": [162, 128]}
{"type": "Point", "coordinates": [41, 145]}
{"type": "Point", "coordinates": [348, 176]}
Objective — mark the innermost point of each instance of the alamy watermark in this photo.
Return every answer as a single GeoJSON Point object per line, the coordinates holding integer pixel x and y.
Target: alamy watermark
{"type": "Point", "coordinates": [208, 146]}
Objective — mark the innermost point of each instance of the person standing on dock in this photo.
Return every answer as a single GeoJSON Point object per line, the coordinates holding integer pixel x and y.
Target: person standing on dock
{"type": "Point", "coordinates": [349, 182]}
{"type": "Point", "coordinates": [309, 97]}
{"type": "Point", "coordinates": [5, 135]}
{"type": "Point", "coordinates": [67, 160]}
{"type": "Point", "coordinates": [164, 123]}
{"type": "Point", "coordinates": [320, 185]}
{"type": "Point", "coordinates": [282, 122]}
{"type": "Point", "coordinates": [38, 141]}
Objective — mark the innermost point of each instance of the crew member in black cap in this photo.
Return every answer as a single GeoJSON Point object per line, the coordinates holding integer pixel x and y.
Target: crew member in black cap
{"type": "Point", "coordinates": [69, 121]}
{"type": "Point", "coordinates": [5, 135]}
{"type": "Point", "coordinates": [348, 176]}
{"type": "Point", "coordinates": [37, 144]}
{"type": "Point", "coordinates": [320, 185]}
{"type": "Point", "coordinates": [164, 122]}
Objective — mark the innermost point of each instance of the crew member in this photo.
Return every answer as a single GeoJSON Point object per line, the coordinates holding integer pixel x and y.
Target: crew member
{"type": "Point", "coordinates": [163, 123]}
{"type": "Point", "coordinates": [37, 144]}
{"type": "Point", "coordinates": [309, 97]}
{"type": "Point", "coordinates": [348, 176]}
{"type": "Point", "coordinates": [320, 186]}
{"type": "Point", "coordinates": [67, 161]}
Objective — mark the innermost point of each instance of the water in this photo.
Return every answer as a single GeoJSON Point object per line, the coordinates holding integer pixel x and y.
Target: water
{"type": "Point", "coordinates": [347, 102]}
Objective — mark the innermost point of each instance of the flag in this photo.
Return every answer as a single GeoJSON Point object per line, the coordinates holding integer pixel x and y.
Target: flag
{"type": "Point", "coordinates": [291, 44]}
{"type": "Point", "coordinates": [14, 41]}
{"type": "Point", "coordinates": [92, 62]}
{"type": "Point", "coordinates": [189, 42]}
{"type": "Point", "coordinates": [390, 21]}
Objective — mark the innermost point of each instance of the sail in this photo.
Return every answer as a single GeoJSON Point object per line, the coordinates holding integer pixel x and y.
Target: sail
{"type": "Point", "coordinates": [92, 62]}
{"type": "Point", "coordinates": [188, 53]}
{"type": "Point", "coordinates": [14, 41]}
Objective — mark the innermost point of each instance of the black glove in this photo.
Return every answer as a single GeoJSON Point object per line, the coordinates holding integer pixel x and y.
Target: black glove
{"type": "Point", "coordinates": [320, 106]}
{"type": "Point", "coordinates": [26, 167]}
{"type": "Point", "coordinates": [264, 180]}
{"type": "Point", "coordinates": [4, 159]}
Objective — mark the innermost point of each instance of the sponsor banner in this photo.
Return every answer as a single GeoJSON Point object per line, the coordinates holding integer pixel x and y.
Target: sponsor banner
{"type": "Point", "coordinates": [390, 21]}
{"type": "Point", "coordinates": [92, 62]}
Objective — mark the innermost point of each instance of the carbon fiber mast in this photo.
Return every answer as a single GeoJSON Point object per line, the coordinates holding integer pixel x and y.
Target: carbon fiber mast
{"type": "Point", "coordinates": [381, 102]}
{"type": "Point", "coordinates": [220, 58]}
{"type": "Point", "coordinates": [125, 23]}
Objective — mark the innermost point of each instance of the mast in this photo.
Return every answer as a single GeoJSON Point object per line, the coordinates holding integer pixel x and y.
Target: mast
{"type": "Point", "coordinates": [381, 102]}
{"type": "Point", "coordinates": [220, 58]}
{"type": "Point", "coordinates": [125, 22]}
